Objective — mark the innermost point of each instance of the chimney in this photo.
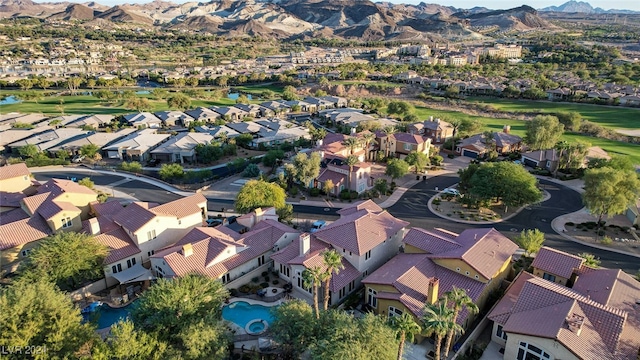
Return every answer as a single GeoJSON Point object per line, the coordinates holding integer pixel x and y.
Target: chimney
{"type": "Point", "coordinates": [305, 243]}
{"type": "Point", "coordinates": [432, 292]}
{"type": "Point", "coordinates": [506, 129]}
{"type": "Point", "coordinates": [94, 226]}
{"type": "Point", "coordinates": [187, 250]}
{"type": "Point", "coordinates": [574, 322]}
{"type": "Point", "coordinates": [353, 131]}
{"type": "Point", "coordinates": [431, 118]}
{"type": "Point", "coordinates": [438, 121]}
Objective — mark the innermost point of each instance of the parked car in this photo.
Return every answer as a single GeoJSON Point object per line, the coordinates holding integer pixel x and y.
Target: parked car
{"type": "Point", "coordinates": [317, 225]}
{"type": "Point", "coordinates": [77, 158]}
{"type": "Point", "coordinates": [214, 222]}
{"type": "Point", "coordinates": [153, 162]}
{"type": "Point", "coordinates": [451, 191]}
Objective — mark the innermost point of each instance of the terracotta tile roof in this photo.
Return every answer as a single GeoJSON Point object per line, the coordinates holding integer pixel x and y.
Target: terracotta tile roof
{"type": "Point", "coordinates": [49, 209]}
{"type": "Point", "coordinates": [429, 241]}
{"type": "Point", "coordinates": [23, 231]}
{"type": "Point", "coordinates": [556, 262]}
{"type": "Point", "coordinates": [409, 138]}
{"type": "Point", "coordinates": [14, 171]}
{"type": "Point", "coordinates": [290, 254]}
{"type": "Point", "coordinates": [59, 186]}
{"type": "Point", "coordinates": [360, 205]}
{"type": "Point", "coordinates": [8, 199]}
{"type": "Point", "coordinates": [133, 217]}
{"type": "Point", "coordinates": [335, 177]}
{"type": "Point", "coordinates": [485, 250]}
{"type": "Point", "coordinates": [13, 215]}
{"type": "Point", "coordinates": [360, 231]}
{"type": "Point", "coordinates": [119, 244]}
{"type": "Point", "coordinates": [182, 207]}
{"type": "Point", "coordinates": [32, 203]}
{"type": "Point", "coordinates": [107, 209]}
{"type": "Point", "coordinates": [537, 307]}
{"type": "Point", "coordinates": [411, 274]}
{"type": "Point", "coordinates": [210, 243]}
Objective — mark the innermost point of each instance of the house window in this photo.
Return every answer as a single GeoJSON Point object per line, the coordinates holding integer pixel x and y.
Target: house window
{"type": "Point", "coordinates": [500, 333]}
{"type": "Point", "coordinates": [25, 252]}
{"type": "Point", "coordinates": [261, 260]}
{"type": "Point", "coordinates": [407, 147]}
{"type": "Point", "coordinates": [66, 222]}
{"type": "Point", "coordinates": [151, 234]}
{"type": "Point", "coordinates": [394, 312]}
{"type": "Point", "coordinates": [342, 292]}
{"type": "Point", "coordinates": [116, 268]}
{"type": "Point", "coordinates": [149, 253]}
{"type": "Point", "coordinates": [531, 352]}
{"type": "Point", "coordinates": [226, 278]}
{"type": "Point", "coordinates": [372, 300]}
{"type": "Point", "coordinates": [131, 262]}
{"type": "Point", "coordinates": [367, 255]}
{"type": "Point", "coordinates": [549, 277]}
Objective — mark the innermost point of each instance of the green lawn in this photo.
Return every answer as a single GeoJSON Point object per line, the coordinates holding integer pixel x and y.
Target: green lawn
{"type": "Point", "coordinates": [607, 116]}
{"type": "Point", "coordinates": [258, 89]}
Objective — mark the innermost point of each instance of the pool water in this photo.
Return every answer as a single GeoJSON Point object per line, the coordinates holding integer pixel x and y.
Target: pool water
{"type": "Point", "coordinates": [11, 100]}
{"type": "Point", "coordinates": [235, 96]}
{"type": "Point", "coordinates": [107, 316]}
{"type": "Point", "coordinates": [241, 313]}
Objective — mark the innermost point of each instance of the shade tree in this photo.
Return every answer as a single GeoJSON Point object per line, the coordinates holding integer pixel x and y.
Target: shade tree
{"type": "Point", "coordinates": [259, 194]}
{"type": "Point", "coordinates": [543, 132]}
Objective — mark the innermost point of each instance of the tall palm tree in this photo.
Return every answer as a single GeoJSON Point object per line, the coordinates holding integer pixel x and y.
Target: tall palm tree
{"type": "Point", "coordinates": [458, 299]}
{"type": "Point", "coordinates": [333, 261]}
{"type": "Point", "coordinates": [406, 328]}
{"type": "Point", "coordinates": [368, 139]}
{"type": "Point", "coordinates": [312, 278]}
{"type": "Point", "coordinates": [388, 130]}
{"type": "Point", "coordinates": [456, 124]}
{"type": "Point", "coordinates": [438, 320]}
{"type": "Point", "coordinates": [352, 143]}
{"type": "Point", "coordinates": [351, 161]}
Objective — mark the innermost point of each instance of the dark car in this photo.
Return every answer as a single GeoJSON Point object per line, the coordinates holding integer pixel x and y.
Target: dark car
{"type": "Point", "coordinates": [153, 162]}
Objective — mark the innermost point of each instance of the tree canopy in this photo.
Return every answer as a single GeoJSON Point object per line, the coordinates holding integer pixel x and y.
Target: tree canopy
{"type": "Point", "coordinates": [609, 191]}
{"type": "Point", "coordinates": [396, 168]}
{"type": "Point", "coordinates": [179, 101]}
{"type": "Point", "coordinates": [418, 160]}
{"type": "Point", "coordinates": [171, 171]}
{"type": "Point", "coordinates": [259, 193]}
{"type": "Point", "coordinates": [543, 132]}
{"type": "Point", "coordinates": [66, 259]}
{"type": "Point", "coordinates": [530, 240]}
{"type": "Point", "coordinates": [306, 167]}
{"type": "Point", "coordinates": [38, 314]}
{"type": "Point", "coordinates": [185, 312]}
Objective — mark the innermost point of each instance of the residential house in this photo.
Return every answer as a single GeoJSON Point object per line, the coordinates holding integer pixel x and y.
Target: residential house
{"type": "Point", "coordinates": [559, 94]}
{"type": "Point", "coordinates": [633, 213]}
{"type": "Point", "coordinates": [556, 266]}
{"type": "Point", "coordinates": [99, 139]}
{"type": "Point", "coordinates": [405, 76]}
{"type": "Point", "coordinates": [222, 253]}
{"type": "Point", "coordinates": [17, 118]}
{"type": "Point", "coordinates": [319, 103]}
{"type": "Point", "coordinates": [141, 229]}
{"type": "Point", "coordinates": [433, 262]}
{"type": "Point", "coordinates": [477, 145]}
{"type": "Point", "coordinates": [246, 127]}
{"type": "Point", "coordinates": [255, 111]}
{"type": "Point", "coordinates": [276, 106]}
{"type": "Point", "coordinates": [230, 113]}
{"type": "Point", "coordinates": [143, 120]}
{"type": "Point", "coordinates": [304, 106]}
{"type": "Point", "coordinates": [14, 135]}
{"type": "Point", "coordinates": [336, 101]}
{"type": "Point", "coordinates": [406, 143]}
{"type": "Point", "coordinates": [597, 318]}
{"type": "Point", "coordinates": [435, 129]}
{"type": "Point", "coordinates": [174, 118]}
{"type": "Point", "coordinates": [137, 146]}
{"type": "Point", "coordinates": [357, 178]}
{"type": "Point", "coordinates": [44, 141]}
{"type": "Point", "coordinates": [89, 121]}
{"type": "Point", "coordinates": [218, 131]}
{"type": "Point", "coordinates": [630, 100]}
{"type": "Point", "coordinates": [203, 114]}
{"type": "Point", "coordinates": [181, 148]}
{"type": "Point", "coordinates": [365, 235]}
{"type": "Point", "coordinates": [57, 206]}
{"type": "Point", "coordinates": [15, 178]}
{"type": "Point", "coordinates": [276, 131]}
{"type": "Point", "coordinates": [545, 159]}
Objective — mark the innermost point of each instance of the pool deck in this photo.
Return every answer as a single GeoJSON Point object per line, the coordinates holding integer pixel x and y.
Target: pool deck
{"type": "Point", "coordinates": [241, 332]}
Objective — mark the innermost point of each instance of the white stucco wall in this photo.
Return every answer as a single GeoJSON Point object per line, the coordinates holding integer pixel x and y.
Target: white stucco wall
{"type": "Point", "coordinates": [552, 347]}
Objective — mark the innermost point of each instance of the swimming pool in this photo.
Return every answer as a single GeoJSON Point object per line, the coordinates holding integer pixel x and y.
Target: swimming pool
{"type": "Point", "coordinates": [241, 313]}
{"type": "Point", "coordinates": [106, 316]}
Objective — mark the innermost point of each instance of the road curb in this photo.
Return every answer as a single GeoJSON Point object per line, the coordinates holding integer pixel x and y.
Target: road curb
{"type": "Point", "coordinates": [560, 230]}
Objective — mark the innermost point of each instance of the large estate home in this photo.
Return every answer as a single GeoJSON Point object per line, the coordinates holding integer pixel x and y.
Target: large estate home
{"type": "Point", "coordinates": [365, 235]}
{"type": "Point", "coordinates": [433, 262]}
{"type": "Point", "coordinates": [226, 254]}
{"type": "Point", "coordinates": [595, 316]}
{"type": "Point", "coordinates": [37, 212]}
{"type": "Point", "coordinates": [435, 129]}
{"type": "Point", "coordinates": [478, 145]}
{"type": "Point", "coordinates": [135, 232]}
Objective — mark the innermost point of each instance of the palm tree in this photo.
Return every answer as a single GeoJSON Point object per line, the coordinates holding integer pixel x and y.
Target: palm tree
{"type": "Point", "coordinates": [351, 161]}
{"type": "Point", "coordinates": [590, 260]}
{"type": "Point", "coordinates": [311, 278]}
{"type": "Point", "coordinates": [333, 261]}
{"type": "Point", "coordinates": [438, 320]}
{"type": "Point", "coordinates": [352, 143]}
{"type": "Point", "coordinates": [388, 130]}
{"type": "Point", "coordinates": [458, 298]}
{"type": "Point", "coordinates": [406, 328]}
{"type": "Point", "coordinates": [456, 124]}
{"type": "Point", "coordinates": [368, 139]}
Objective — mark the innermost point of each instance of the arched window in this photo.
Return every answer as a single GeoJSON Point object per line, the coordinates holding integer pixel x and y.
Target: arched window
{"type": "Point", "coordinates": [531, 352]}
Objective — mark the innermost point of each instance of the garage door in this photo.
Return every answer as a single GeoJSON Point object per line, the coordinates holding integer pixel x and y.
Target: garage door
{"type": "Point", "coordinates": [469, 153]}
{"type": "Point", "coordinates": [529, 162]}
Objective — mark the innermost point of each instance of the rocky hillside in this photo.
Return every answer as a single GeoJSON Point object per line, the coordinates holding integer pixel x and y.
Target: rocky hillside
{"type": "Point", "coordinates": [348, 19]}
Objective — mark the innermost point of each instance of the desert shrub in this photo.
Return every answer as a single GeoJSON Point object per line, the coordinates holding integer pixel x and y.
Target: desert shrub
{"type": "Point", "coordinates": [569, 223]}
{"type": "Point", "coordinates": [314, 191]}
{"type": "Point", "coordinates": [606, 240]}
{"type": "Point", "coordinates": [436, 202]}
{"type": "Point", "coordinates": [244, 288]}
{"type": "Point", "coordinates": [251, 170]}
{"type": "Point", "coordinates": [293, 191]}
{"type": "Point", "coordinates": [600, 232]}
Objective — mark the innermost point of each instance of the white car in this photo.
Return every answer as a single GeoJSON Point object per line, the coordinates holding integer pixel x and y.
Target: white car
{"type": "Point", "coordinates": [451, 191]}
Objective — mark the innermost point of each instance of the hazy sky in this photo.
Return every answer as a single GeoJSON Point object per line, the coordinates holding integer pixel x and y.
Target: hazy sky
{"type": "Point", "coordinates": [465, 4]}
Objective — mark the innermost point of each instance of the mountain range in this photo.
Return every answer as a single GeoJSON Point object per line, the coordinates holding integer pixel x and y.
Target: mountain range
{"type": "Point", "coordinates": [291, 19]}
{"type": "Point", "coordinates": [584, 7]}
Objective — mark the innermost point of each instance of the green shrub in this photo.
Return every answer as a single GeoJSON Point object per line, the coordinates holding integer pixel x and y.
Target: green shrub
{"type": "Point", "coordinates": [255, 279]}
{"type": "Point", "coordinates": [244, 288]}
{"type": "Point", "coordinates": [233, 292]}
{"type": "Point", "coordinates": [436, 201]}
{"type": "Point", "coordinates": [267, 278]}
{"type": "Point", "coordinates": [569, 223]}
{"type": "Point", "coordinates": [606, 240]}
{"type": "Point", "coordinates": [600, 232]}
{"type": "Point", "coordinates": [264, 273]}
{"type": "Point", "coordinates": [275, 282]}
{"type": "Point", "coordinates": [314, 191]}
{"type": "Point", "coordinates": [293, 191]}
{"type": "Point", "coordinates": [264, 285]}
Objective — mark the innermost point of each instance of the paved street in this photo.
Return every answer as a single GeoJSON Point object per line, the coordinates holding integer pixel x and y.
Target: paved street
{"type": "Point", "coordinates": [412, 207]}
